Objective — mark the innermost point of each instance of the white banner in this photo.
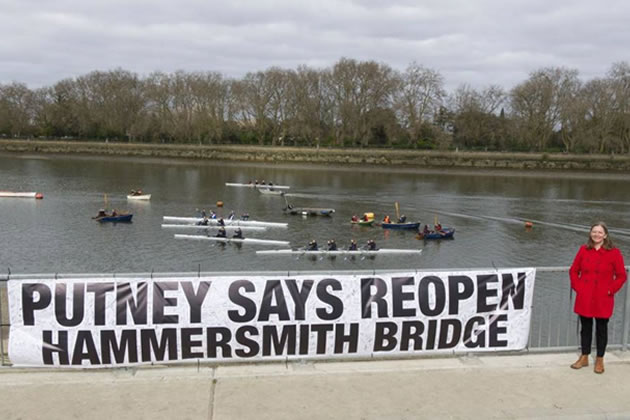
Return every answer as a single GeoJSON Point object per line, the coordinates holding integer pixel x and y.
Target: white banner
{"type": "Point", "coordinates": [100, 322]}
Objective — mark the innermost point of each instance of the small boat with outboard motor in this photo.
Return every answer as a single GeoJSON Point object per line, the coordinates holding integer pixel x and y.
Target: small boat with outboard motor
{"type": "Point", "coordinates": [138, 195]}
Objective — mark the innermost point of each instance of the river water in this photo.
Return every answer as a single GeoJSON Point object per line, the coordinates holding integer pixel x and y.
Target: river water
{"type": "Point", "coordinates": [487, 208]}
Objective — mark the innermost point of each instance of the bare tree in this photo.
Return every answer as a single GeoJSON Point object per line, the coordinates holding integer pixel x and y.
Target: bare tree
{"type": "Point", "coordinates": [16, 110]}
{"type": "Point", "coordinates": [358, 88]}
{"type": "Point", "coordinates": [535, 104]}
{"type": "Point", "coordinates": [619, 76]}
{"type": "Point", "coordinates": [418, 98]}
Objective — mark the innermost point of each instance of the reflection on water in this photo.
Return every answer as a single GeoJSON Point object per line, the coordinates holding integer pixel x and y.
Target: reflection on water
{"type": "Point", "coordinates": [488, 211]}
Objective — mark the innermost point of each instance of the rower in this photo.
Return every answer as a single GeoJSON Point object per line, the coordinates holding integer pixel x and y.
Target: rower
{"type": "Point", "coordinates": [213, 215]}
{"type": "Point", "coordinates": [221, 233]}
{"type": "Point", "coordinates": [238, 234]}
{"type": "Point", "coordinates": [426, 230]}
{"type": "Point", "coordinates": [231, 215]}
{"type": "Point", "coordinates": [203, 222]}
{"type": "Point", "coordinates": [371, 245]}
{"type": "Point", "coordinates": [332, 245]}
{"type": "Point", "coordinates": [245, 216]}
{"type": "Point", "coordinates": [203, 213]}
{"type": "Point", "coordinates": [220, 222]}
{"type": "Point", "coordinates": [353, 245]}
{"type": "Point", "coordinates": [312, 246]}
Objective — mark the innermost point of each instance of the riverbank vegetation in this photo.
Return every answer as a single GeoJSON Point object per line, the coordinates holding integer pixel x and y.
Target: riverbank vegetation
{"type": "Point", "coordinates": [353, 104]}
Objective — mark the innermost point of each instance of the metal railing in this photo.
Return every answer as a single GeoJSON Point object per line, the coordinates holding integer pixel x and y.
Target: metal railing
{"type": "Point", "coordinates": [554, 325]}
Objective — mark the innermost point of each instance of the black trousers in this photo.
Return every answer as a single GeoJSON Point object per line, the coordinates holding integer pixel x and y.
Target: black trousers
{"type": "Point", "coordinates": [601, 334]}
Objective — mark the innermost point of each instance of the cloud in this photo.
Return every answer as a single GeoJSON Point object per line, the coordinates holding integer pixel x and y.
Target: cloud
{"type": "Point", "coordinates": [478, 43]}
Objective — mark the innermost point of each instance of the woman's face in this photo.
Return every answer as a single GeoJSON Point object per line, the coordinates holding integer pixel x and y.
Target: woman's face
{"type": "Point", "coordinates": [598, 235]}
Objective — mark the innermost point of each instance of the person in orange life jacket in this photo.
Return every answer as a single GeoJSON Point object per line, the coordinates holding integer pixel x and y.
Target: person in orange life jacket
{"type": "Point", "coordinates": [387, 220]}
{"type": "Point", "coordinates": [597, 273]}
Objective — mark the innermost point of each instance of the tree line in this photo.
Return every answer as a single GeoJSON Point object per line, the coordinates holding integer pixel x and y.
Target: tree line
{"type": "Point", "coordinates": [351, 104]}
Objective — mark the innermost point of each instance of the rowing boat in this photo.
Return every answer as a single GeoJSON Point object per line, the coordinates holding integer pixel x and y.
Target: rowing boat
{"type": "Point", "coordinates": [362, 222]}
{"type": "Point", "coordinates": [215, 227]}
{"type": "Point", "coordinates": [309, 211]}
{"type": "Point", "coordinates": [191, 220]}
{"type": "Point", "coordinates": [340, 252]}
{"type": "Point", "coordinates": [11, 194]}
{"type": "Point", "coordinates": [270, 191]}
{"type": "Point", "coordinates": [406, 226]}
{"type": "Point", "coordinates": [261, 186]}
{"type": "Point", "coordinates": [116, 219]}
{"type": "Point", "coordinates": [139, 197]}
{"type": "Point", "coordinates": [232, 240]}
{"type": "Point", "coordinates": [446, 233]}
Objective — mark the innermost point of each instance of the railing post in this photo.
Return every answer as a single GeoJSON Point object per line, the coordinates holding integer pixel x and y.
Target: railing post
{"type": "Point", "coordinates": [2, 325]}
{"type": "Point", "coordinates": [626, 319]}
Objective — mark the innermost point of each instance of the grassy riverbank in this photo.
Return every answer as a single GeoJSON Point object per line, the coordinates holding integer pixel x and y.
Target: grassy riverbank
{"type": "Point", "coordinates": [386, 157]}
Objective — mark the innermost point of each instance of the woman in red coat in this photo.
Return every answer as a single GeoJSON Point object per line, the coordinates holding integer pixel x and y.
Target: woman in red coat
{"type": "Point", "coordinates": [597, 273]}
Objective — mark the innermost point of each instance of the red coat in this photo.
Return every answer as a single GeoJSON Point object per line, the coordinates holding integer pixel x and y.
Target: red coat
{"type": "Point", "coordinates": [596, 275]}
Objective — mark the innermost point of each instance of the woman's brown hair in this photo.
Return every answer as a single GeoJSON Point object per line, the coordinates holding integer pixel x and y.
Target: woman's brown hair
{"type": "Point", "coordinates": [607, 244]}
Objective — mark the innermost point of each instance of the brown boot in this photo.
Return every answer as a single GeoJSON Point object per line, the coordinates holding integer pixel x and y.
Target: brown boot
{"type": "Point", "coordinates": [581, 362]}
{"type": "Point", "coordinates": [599, 365]}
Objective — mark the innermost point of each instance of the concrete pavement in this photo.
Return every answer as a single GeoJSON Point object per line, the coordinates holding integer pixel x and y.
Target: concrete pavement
{"type": "Point", "coordinates": [505, 387]}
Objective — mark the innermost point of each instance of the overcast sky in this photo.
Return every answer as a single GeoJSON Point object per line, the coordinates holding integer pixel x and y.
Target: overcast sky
{"type": "Point", "coordinates": [478, 42]}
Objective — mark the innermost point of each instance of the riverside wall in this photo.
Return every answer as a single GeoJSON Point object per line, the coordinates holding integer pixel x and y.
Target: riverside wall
{"type": "Point", "coordinates": [385, 157]}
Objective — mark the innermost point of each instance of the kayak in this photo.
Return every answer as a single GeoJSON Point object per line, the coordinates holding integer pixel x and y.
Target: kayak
{"type": "Point", "coordinates": [340, 252]}
{"type": "Point", "coordinates": [117, 218]}
{"type": "Point", "coordinates": [234, 222]}
{"type": "Point", "coordinates": [139, 197]}
{"type": "Point", "coordinates": [409, 226]}
{"type": "Point", "coordinates": [11, 194]}
{"type": "Point", "coordinates": [232, 240]}
{"type": "Point", "coordinates": [215, 227]}
{"type": "Point", "coordinates": [446, 233]}
{"type": "Point", "coordinates": [260, 186]}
